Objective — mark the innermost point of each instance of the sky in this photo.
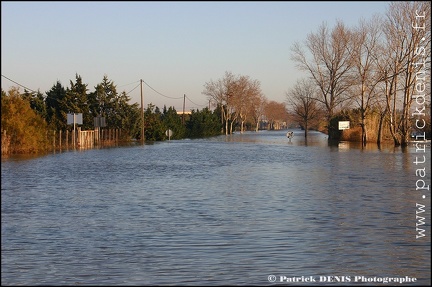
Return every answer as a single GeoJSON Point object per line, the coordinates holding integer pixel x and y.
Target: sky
{"type": "Point", "coordinates": [174, 47]}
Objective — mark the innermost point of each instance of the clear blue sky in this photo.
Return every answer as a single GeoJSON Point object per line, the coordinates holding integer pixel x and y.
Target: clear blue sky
{"type": "Point", "coordinates": [175, 47]}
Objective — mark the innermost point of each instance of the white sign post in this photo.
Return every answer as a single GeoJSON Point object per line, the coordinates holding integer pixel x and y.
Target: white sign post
{"type": "Point", "coordinates": [344, 125]}
{"type": "Point", "coordinates": [169, 133]}
{"type": "Point", "coordinates": [74, 119]}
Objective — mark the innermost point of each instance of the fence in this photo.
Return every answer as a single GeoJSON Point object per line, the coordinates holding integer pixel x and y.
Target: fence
{"type": "Point", "coordinates": [61, 140]}
{"type": "Point", "coordinates": [86, 139]}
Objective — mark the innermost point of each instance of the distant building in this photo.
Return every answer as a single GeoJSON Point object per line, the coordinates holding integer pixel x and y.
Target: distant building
{"type": "Point", "coordinates": [185, 116]}
{"type": "Point", "coordinates": [186, 113]}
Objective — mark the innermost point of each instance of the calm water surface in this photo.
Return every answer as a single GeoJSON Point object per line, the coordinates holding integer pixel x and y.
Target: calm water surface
{"type": "Point", "coordinates": [219, 211]}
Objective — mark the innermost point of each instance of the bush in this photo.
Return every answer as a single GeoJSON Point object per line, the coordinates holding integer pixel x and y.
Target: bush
{"type": "Point", "coordinates": [25, 131]}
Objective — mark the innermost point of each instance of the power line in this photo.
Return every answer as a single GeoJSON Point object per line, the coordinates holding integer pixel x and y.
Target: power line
{"type": "Point", "coordinates": [161, 93]}
{"type": "Point", "coordinates": [175, 98]}
{"type": "Point", "coordinates": [19, 84]}
{"type": "Point", "coordinates": [45, 97]}
{"type": "Point", "coordinates": [132, 89]}
{"type": "Point", "coordinates": [129, 84]}
{"type": "Point", "coordinates": [195, 103]}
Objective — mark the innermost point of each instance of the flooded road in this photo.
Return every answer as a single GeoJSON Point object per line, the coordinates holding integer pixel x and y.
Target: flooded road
{"type": "Point", "coordinates": [233, 210]}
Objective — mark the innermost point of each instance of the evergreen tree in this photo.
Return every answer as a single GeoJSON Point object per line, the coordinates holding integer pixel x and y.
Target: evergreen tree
{"type": "Point", "coordinates": [172, 121]}
{"type": "Point", "coordinates": [77, 101]}
{"type": "Point", "coordinates": [37, 102]}
{"type": "Point", "coordinates": [56, 107]}
{"type": "Point", "coordinates": [204, 123]}
{"type": "Point", "coordinates": [154, 129]}
{"type": "Point", "coordinates": [127, 117]}
{"type": "Point", "coordinates": [102, 102]}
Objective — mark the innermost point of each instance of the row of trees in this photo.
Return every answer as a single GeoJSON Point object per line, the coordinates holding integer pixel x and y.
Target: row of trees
{"type": "Point", "coordinates": [242, 102]}
{"type": "Point", "coordinates": [29, 120]}
{"type": "Point", "coordinates": [28, 130]}
{"type": "Point", "coordinates": [198, 124]}
{"type": "Point", "coordinates": [104, 101]}
{"type": "Point", "coordinates": [380, 66]}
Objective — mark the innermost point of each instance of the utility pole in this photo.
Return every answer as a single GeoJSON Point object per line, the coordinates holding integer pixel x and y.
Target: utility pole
{"type": "Point", "coordinates": [184, 101]}
{"type": "Point", "coordinates": [142, 113]}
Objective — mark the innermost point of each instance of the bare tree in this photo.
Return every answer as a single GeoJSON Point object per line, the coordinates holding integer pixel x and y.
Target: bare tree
{"type": "Point", "coordinates": [302, 103]}
{"type": "Point", "coordinates": [257, 110]}
{"type": "Point", "coordinates": [379, 104]}
{"type": "Point", "coordinates": [247, 93]}
{"type": "Point", "coordinates": [236, 95]}
{"type": "Point", "coordinates": [241, 99]}
{"type": "Point", "coordinates": [329, 66]}
{"type": "Point", "coordinates": [276, 114]}
{"type": "Point", "coordinates": [365, 50]}
{"type": "Point", "coordinates": [220, 93]}
{"type": "Point", "coordinates": [408, 39]}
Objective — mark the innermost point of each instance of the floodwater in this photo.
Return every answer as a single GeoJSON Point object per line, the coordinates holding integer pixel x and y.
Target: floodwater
{"type": "Point", "coordinates": [245, 209]}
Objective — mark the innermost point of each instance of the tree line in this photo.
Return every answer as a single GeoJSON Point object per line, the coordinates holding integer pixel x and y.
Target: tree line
{"type": "Point", "coordinates": [29, 118]}
{"type": "Point", "coordinates": [243, 105]}
{"type": "Point", "coordinates": [376, 74]}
